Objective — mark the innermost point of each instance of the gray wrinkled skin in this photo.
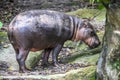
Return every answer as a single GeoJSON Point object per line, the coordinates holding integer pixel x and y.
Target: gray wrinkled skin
{"type": "Point", "coordinates": [44, 29]}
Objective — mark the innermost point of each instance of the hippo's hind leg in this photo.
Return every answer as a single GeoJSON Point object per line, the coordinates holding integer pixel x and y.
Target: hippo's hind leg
{"type": "Point", "coordinates": [55, 54]}
{"type": "Point", "coordinates": [21, 55]}
{"type": "Point", "coordinates": [45, 57]}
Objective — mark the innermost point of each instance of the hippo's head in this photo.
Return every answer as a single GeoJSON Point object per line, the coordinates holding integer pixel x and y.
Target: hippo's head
{"type": "Point", "coordinates": [86, 33]}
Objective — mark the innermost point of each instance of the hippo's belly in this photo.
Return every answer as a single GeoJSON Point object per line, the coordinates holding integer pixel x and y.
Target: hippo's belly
{"type": "Point", "coordinates": [44, 44]}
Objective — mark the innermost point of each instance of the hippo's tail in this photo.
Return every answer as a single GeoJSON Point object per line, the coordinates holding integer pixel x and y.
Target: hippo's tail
{"type": "Point", "coordinates": [10, 34]}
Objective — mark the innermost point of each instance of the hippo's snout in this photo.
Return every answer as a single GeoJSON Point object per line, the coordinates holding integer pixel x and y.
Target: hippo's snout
{"type": "Point", "coordinates": [95, 44]}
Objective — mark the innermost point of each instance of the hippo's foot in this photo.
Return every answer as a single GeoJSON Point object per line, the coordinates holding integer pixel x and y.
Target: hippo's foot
{"type": "Point", "coordinates": [25, 70]}
{"type": "Point", "coordinates": [45, 64]}
{"type": "Point", "coordinates": [56, 64]}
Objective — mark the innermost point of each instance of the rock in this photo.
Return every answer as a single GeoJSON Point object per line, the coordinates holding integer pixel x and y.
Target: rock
{"type": "Point", "coordinates": [8, 55]}
{"type": "Point", "coordinates": [87, 73]}
{"type": "Point", "coordinates": [33, 59]}
{"type": "Point", "coordinates": [3, 66]}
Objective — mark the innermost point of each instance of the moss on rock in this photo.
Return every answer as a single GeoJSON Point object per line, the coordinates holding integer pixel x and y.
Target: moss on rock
{"type": "Point", "coordinates": [33, 58]}
{"type": "Point", "coordinates": [3, 37]}
{"type": "Point", "coordinates": [89, 13]}
{"type": "Point", "coordinates": [87, 73]}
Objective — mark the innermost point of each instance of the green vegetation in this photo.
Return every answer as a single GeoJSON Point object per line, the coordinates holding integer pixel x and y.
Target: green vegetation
{"type": "Point", "coordinates": [3, 37]}
{"type": "Point", "coordinates": [116, 64]}
{"type": "Point", "coordinates": [87, 59]}
{"type": "Point", "coordinates": [115, 58]}
{"type": "Point", "coordinates": [93, 1]}
{"type": "Point", "coordinates": [1, 24]}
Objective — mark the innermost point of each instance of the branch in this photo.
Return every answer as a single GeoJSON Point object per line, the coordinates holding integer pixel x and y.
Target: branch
{"type": "Point", "coordinates": [88, 52]}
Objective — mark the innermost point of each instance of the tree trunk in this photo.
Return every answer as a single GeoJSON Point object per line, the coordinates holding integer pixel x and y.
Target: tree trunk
{"type": "Point", "coordinates": [108, 67]}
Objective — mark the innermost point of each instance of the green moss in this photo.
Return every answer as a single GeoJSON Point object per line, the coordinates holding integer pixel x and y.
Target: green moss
{"type": "Point", "coordinates": [89, 13]}
{"type": "Point", "coordinates": [3, 34]}
{"type": "Point", "coordinates": [87, 59]}
{"type": "Point", "coordinates": [3, 37]}
{"type": "Point", "coordinates": [100, 35]}
{"type": "Point", "coordinates": [116, 64]}
{"type": "Point", "coordinates": [88, 55]}
{"type": "Point", "coordinates": [33, 58]}
{"type": "Point", "coordinates": [76, 46]}
{"type": "Point", "coordinates": [115, 58]}
{"type": "Point", "coordinates": [87, 73]}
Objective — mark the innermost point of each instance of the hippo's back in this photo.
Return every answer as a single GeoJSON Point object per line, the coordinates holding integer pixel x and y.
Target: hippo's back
{"type": "Point", "coordinates": [40, 16]}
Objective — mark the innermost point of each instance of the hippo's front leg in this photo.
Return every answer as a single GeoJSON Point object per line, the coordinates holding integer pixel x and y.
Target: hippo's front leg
{"type": "Point", "coordinates": [21, 57]}
{"type": "Point", "coordinates": [55, 53]}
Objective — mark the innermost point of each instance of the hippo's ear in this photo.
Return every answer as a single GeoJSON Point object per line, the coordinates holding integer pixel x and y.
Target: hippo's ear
{"type": "Point", "coordinates": [85, 23]}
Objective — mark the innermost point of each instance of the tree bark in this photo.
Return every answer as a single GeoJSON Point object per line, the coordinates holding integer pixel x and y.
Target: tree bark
{"type": "Point", "coordinates": [108, 67]}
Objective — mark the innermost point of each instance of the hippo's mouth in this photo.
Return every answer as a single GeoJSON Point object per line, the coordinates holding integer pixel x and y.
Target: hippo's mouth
{"type": "Point", "coordinates": [92, 47]}
{"type": "Point", "coordinates": [95, 45]}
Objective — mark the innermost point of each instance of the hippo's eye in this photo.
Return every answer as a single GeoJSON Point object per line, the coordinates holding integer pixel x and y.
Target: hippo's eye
{"type": "Point", "coordinates": [92, 33]}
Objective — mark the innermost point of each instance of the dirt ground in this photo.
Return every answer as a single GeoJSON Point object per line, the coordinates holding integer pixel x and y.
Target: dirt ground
{"type": "Point", "coordinates": [50, 70]}
{"type": "Point", "coordinates": [39, 70]}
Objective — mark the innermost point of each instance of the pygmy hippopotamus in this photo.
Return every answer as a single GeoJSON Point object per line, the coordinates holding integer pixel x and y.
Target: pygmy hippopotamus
{"type": "Point", "coordinates": [45, 29]}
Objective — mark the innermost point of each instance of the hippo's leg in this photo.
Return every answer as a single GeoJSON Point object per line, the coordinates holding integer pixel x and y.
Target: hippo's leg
{"type": "Point", "coordinates": [45, 57]}
{"type": "Point", "coordinates": [21, 56]}
{"type": "Point", "coordinates": [55, 53]}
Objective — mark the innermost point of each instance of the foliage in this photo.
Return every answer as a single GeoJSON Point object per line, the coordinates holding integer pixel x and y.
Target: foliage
{"type": "Point", "coordinates": [105, 1]}
{"type": "Point", "coordinates": [3, 39]}
{"type": "Point", "coordinates": [1, 24]}
{"type": "Point", "coordinates": [3, 35]}
{"type": "Point", "coordinates": [116, 64]}
{"type": "Point", "coordinates": [115, 58]}
{"type": "Point", "coordinates": [100, 5]}
{"type": "Point", "coordinates": [93, 1]}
